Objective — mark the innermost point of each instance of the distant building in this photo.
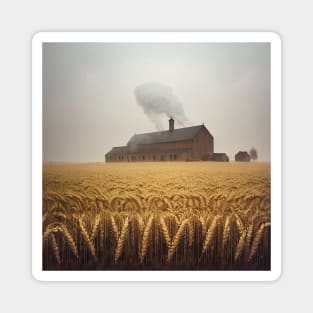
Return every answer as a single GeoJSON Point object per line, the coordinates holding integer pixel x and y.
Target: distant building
{"type": "Point", "coordinates": [182, 144]}
{"type": "Point", "coordinates": [242, 156]}
{"type": "Point", "coordinates": [216, 157]}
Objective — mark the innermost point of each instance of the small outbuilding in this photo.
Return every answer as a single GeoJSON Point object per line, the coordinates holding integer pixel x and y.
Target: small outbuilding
{"type": "Point", "coordinates": [216, 157]}
{"type": "Point", "coordinates": [242, 156]}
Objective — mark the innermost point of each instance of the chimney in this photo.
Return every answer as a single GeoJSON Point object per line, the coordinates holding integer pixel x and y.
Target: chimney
{"type": "Point", "coordinates": [171, 124]}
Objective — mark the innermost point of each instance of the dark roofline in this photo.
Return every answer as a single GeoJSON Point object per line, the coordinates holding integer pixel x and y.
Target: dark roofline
{"type": "Point", "coordinates": [118, 150]}
{"type": "Point", "coordinates": [219, 153]}
{"type": "Point", "coordinates": [164, 131]}
{"type": "Point", "coordinates": [203, 126]}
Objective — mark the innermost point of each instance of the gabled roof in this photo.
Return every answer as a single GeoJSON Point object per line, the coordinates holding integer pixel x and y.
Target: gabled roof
{"type": "Point", "coordinates": [122, 149]}
{"type": "Point", "coordinates": [180, 134]}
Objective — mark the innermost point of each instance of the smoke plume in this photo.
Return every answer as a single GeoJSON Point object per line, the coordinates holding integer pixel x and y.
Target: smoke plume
{"type": "Point", "coordinates": [158, 100]}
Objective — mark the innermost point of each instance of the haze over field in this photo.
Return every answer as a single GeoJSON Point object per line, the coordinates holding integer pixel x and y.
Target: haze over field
{"type": "Point", "coordinates": [92, 95]}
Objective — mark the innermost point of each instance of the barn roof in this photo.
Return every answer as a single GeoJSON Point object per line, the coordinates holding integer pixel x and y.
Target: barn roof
{"type": "Point", "coordinates": [178, 134]}
{"type": "Point", "coordinates": [219, 154]}
{"type": "Point", "coordinates": [242, 153]}
{"type": "Point", "coordinates": [122, 149]}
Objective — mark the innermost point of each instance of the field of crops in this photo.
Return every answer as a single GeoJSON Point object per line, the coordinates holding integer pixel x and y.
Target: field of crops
{"type": "Point", "coordinates": [156, 216]}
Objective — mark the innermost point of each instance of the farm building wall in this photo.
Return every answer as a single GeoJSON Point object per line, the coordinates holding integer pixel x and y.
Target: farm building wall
{"type": "Point", "coordinates": [202, 144]}
{"type": "Point", "coordinates": [165, 146]}
{"type": "Point", "coordinates": [171, 155]}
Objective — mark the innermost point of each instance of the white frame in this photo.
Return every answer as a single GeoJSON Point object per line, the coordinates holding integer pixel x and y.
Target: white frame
{"type": "Point", "coordinates": [276, 164]}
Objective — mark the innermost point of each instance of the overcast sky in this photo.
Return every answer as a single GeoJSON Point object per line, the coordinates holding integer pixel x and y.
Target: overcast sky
{"type": "Point", "coordinates": [89, 103]}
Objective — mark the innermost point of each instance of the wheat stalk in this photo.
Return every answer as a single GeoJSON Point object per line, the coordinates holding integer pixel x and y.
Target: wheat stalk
{"type": "Point", "coordinates": [165, 232]}
{"type": "Point", "coordinates": [226, 231]}
{"type": "Point", "coordinates": [239, 223]}
{"type": "Point", "coordinates": [121, 240]}
{"type": "Point", "coordinates": [249, 234]}
{"type": "Point", "coordinates": [70, 240]}
{"type": "Point", "coordinates": [145, 239]}
{"type": "Point", "coordinates": [95, 227]}
{"type": "Point", "coordinates": [240, 245]}
{"type": "Point", "coordinates": [140, 226]}
{"type": "Point", "coordinates": [176, 240]}
{"type": "Point", "coordinates": [50, 230]}
{"type": "Point", "coordinates": [87, 238]}
{"type": "Point", "coordinates": [209, 235]}
{"type": "Point", "coordinates": [257, 240]}
{"type": "Point", "coordinates": [55, 249]}
{"type": "Point", "coordinates": [114, 228]}
{"type": "Point", "coordinates": [191, 233]}
{"type": "Point", "coordinates": [203, 225]}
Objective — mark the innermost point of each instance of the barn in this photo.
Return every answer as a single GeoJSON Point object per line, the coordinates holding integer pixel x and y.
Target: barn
{"type": "Point", "coordinates": [181, 144]}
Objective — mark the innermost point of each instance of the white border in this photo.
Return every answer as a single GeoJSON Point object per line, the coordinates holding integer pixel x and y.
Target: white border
{"type": "Point", "coordinates": [270, 37]}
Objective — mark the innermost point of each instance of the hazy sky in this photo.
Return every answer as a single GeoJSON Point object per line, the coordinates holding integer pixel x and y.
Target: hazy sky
{"type": "Point", "coordinates": [89, 104]}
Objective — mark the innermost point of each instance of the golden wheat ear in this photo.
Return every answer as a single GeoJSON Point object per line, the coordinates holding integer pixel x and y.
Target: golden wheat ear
{"type": "Point", "coordinates": [174, 245]}
{"type": "Point", "coordinates": [87, 239]}
{"type": "Point", "coordinates": [121, 240]}
{"type": "Point", "coordinates": [210, 235]}
{"type": "Point", "coordinates": [95, 227]}
{"type": "Point", "coordinates": [226, 231]}
{"type": "Point", "coordinates": [70, 240]}
{"type": "Point", "coordinates": [164, 231]}
{"type": "Point", "coordinates": [240, 245]}
{"type": "Point", "coordinates": [114, 228]}
{"type": "Point", "coordinates": [257, 240]}
{"type": "Point", "coordinates": [146, 239]}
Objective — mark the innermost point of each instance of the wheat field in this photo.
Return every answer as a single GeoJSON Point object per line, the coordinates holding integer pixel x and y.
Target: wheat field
{"type": "Point", "coordinates": [156, 216]}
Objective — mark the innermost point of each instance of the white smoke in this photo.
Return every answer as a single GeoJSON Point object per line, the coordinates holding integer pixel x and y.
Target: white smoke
{"type": "Point", "coordinates": [158, 100]}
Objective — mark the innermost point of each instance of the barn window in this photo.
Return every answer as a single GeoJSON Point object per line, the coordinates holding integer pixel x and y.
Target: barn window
{"type": "Point", "coordinates": [143, 157]}
{"type": "Point", "coordinates": [174, 156]}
